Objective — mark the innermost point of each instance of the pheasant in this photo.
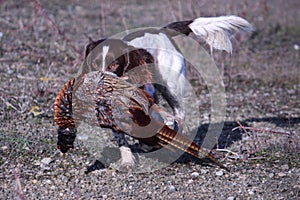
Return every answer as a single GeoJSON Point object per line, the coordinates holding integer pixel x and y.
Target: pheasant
{"type": "Point", "coordinates": [122, 107]}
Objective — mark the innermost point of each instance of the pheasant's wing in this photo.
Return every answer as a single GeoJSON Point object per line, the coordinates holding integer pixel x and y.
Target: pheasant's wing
{"type": "Point", "coordinates": [120, 104]}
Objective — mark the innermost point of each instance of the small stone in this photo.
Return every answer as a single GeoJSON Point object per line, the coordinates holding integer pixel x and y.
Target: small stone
{"type": "Point", "coordinates": [219, 173]}
{"type": "Point", "coordinates": [44, 164]}
{"type": "Point", "coordinates": [46, 161]}
{"type": "Point", "coordinates": [251, 192]}
{"type": "Point", "coordinates": [281, 174]}
{"type": "Point", "coordinates": [296, 47]}
{"type": "Point", "coordinates": [296, 187]}
{"type": "Point", "coordinates": [231, 198]}
{"type": "Point", "coordinates": [34, 181]}
{"type": "Point", "coordinates": [172, 188]}
{"type": "Point", "coordinates": [271, 175]}
{"type": "Point", "coordinates": [285, 167]}
{"type": "Point", "coordinates": [195, 174]}
{"type": "Point", "coordinates": [4, 148]}
{"type": "Point", "coordinates": [190, 181]}
{"type": "Point", "coordinates": [278, 154]}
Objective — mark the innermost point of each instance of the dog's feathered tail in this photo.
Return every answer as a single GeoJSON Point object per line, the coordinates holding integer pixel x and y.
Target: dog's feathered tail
{"type": "Point", "coordinates": [215, 31]}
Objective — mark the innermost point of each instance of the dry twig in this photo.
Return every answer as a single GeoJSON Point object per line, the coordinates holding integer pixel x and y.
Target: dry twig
{"type": "Point", "coordinates": [55, 26]}
{"type": "Point", "coordinates": [230, 154]}
{"type": "Point", "coordinates": [245, 128]}
{"type": "Point", "coordinates": [19, 191]}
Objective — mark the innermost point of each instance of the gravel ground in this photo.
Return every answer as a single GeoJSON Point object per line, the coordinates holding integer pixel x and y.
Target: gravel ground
{"type": "Point", "coordinates": [41, 47]}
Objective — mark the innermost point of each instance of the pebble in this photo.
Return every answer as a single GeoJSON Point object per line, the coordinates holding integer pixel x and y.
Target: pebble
{"type": "Point", "coordinates": [219, 173]}
{"type": "Point", "coordinates": [278, 154]}
{"type": "Point", "coordinates": [251, 192]}
{"type": "Point", "coordinates": [281, 174]}
{"type": "Point", "coordinates": [231, 198]}
{"type": "Point", "coordinates": [46, 161]}
{"type": "Point", "coordinates": [172, 188]}
{"type": "Point", "coordinates": [4, 148]}
{"type": "Point", "coordinates": [195, 174]}
{"type": "Point", "coordinates": [48, 181]}
{"type": "Point", "coordinates": [271, 175]}
{"type": "Point", "coordinates": [285, 167]}
{"type": "Point", "coordinates": [296, 187]}
{"type": "Point", "coordinates": [34, 181]}
{"type": "Point", "coordinates": [190, 181]}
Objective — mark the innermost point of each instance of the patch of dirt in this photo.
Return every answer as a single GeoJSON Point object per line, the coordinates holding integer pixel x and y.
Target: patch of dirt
{"type": "Point", "coordinates": [41, 47]}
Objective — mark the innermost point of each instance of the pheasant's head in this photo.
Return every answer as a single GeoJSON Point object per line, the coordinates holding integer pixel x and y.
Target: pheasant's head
{"type": "Point", "coordinates": [63, 117]}
{"type": "Point", "coordinates": [66, 137]}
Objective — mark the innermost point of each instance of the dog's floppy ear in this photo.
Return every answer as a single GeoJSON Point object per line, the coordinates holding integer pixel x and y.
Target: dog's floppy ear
{"type": "Point", "coordinates": [137, 57]}
{"type": "Point", "coordinates": [92, 45]}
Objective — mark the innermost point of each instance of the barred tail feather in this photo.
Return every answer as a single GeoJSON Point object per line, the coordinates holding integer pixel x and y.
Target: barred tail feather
{"type": "Point", "coordinates": [185, 144]}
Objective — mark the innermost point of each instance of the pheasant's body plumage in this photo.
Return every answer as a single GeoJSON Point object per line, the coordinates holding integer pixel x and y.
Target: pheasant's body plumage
{"type": "Point", "coordinates": [122, 107]}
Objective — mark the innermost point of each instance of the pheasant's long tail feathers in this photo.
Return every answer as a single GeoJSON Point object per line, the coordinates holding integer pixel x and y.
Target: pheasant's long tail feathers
{"type": "Point", "coordinates": [63, 106]}
{"type": "Point", "coordinates": [185, 144]}
{"type": "Point", "coordinates": [215, 31]}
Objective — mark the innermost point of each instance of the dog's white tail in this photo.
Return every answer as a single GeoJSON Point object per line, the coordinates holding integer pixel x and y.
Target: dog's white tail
{"type": "Point", "coordinates": [217, 31]}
